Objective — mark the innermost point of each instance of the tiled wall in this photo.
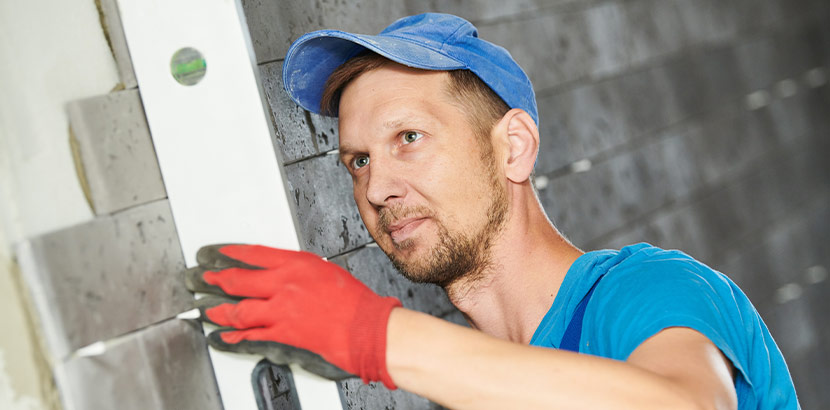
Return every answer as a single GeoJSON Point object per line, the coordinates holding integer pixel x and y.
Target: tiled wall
{"type": "Point", "coordinates": [693, 124]}
{"type": "Point", "coordinates": [116, 277]}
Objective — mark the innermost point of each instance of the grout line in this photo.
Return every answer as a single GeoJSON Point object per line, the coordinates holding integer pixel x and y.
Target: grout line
{"type": "Point", "coordinates": [740, 38]}
{"type": "Point", "coordinates": [752, 101]}
{"type": "Point", "coordinates": [703, 192]}
{"type": "Point", "coordinates": [102, 346]}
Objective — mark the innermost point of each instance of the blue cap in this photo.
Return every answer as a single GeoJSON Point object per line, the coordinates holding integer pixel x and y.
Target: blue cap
{"type": "Point", "coordinates": [430, 41]}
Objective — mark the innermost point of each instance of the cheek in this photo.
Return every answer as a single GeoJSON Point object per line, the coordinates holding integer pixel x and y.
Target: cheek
{"type": "Point", "coordinates": [366, 210]}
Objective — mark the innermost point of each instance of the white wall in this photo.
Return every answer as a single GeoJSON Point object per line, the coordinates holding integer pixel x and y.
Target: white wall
{"type": "Point", "coordinates": [51, 52]}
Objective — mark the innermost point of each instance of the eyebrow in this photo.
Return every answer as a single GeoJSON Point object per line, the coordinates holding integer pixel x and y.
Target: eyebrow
{"type": "Point", "coordinates": [391, 124]}
{"type": "Point", "coordinates": [345, 150]}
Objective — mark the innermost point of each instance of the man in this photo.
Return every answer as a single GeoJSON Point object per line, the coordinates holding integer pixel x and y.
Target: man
{"type": "Point", "coordinates": [438, 130]}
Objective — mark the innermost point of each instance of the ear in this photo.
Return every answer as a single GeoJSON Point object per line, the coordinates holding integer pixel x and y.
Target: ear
{"type": "Point", "coordinates": [521, 136]}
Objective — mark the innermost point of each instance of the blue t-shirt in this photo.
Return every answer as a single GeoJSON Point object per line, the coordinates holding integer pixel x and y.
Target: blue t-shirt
{"type": "Point", "coordinates": [646, 289]}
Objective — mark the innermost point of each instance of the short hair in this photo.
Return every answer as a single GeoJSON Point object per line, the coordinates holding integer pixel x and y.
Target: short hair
{"type": "Point", "coordinates": [480, 104]}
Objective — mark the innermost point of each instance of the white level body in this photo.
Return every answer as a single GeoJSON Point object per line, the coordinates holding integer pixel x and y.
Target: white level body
{"type": "Point", "coordinates": [215, 151]}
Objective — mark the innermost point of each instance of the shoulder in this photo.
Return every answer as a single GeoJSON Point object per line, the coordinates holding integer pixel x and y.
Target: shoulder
{"type": "Point", "coordinates": [653, 289]}
{"type": "Point", "coordinates": [651, 272]}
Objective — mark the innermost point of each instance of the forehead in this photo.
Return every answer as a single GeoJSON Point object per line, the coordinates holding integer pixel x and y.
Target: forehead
{"type": "Point", "coordinates": [393, 96]}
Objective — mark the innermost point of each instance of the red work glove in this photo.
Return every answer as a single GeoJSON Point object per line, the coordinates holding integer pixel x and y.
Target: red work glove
{"type": "Point", "coordinates": [296, 308]}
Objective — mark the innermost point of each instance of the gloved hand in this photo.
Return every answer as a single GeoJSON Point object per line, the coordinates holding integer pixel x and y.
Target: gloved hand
{"type": "Point", "coordinates": [293, 307]}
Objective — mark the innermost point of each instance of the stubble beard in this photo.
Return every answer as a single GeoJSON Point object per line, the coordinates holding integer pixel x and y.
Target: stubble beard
{"type": "Point", "coordinates": [457, 255]}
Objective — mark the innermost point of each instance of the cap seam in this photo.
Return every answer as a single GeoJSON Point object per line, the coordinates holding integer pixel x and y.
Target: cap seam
{"type": "Point", "coordinates": [430, 48]}
{"type": "Point", "coordinates": [451, 36]}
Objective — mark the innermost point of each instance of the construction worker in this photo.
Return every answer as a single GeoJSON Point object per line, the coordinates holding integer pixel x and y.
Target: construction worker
{"type": "Point", "coordinates": [439, 132]}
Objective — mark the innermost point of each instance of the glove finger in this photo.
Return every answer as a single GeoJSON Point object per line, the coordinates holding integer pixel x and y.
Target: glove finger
{"type": "Point", "coordinates": [259, 283]}
{"type": "Point", "coordinates": [209, 302]}
{"type": "Point", "coordinates": [194, 280]}
{"type": "Point", "coordinates": [276, 353]}
{"type": "Point", "coordinates": [210, 258]}
{"type": "Point", "coordinates": [243, 314]}
{"type": "Point", "coordinates": [263, 256]}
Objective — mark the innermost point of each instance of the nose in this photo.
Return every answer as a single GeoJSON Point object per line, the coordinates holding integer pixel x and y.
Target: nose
{"type": "Point", "coordinates": [385, 183]}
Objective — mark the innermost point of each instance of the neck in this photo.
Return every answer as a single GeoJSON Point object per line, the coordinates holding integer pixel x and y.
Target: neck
{"type": "Point", "coordinates": [528, 262]}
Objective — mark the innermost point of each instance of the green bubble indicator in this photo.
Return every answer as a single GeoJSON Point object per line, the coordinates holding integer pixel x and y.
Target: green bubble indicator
{"type": "Point", "coordinates": [188, 66]}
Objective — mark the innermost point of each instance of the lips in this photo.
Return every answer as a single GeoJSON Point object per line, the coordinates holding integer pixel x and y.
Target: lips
{"type": "Point", "coordinates": [403, 229]}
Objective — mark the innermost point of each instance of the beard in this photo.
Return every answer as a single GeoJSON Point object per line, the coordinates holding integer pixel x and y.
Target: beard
{"type": "Point", "coordinates": [457, 255]}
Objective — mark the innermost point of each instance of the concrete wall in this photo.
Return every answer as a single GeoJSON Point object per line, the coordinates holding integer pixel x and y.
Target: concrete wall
{"type": "Point", "coordinates": [692, 124]}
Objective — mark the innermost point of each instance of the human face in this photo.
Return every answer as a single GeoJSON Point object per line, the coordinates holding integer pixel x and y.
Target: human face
{"type": "Point", "coordinates": [426, 186]}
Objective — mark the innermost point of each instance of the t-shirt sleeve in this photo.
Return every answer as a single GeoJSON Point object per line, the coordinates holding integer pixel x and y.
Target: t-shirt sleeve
{"type": "Point", "coordinates": [634, 302]}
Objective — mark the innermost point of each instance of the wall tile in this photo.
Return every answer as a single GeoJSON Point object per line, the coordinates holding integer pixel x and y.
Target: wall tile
{"type": "Point", "coordinates": [372, 267]}
{"type": "Point", "coordinates": [578, 123]}
{"type": "Point", "coordinates": [116, 152]}
{"type": "Point", "coordinates": [329, 222]}
{"type": "Point", "coordinates": [646, 100]}
{"type": "Point", "coordinates": [274, 24]}
{"type": "Point", "coordinates": [708, 21]}
{"type": "Point", "coordinates": [165, 366]}
{"type": "Point", "coordinates": [300, 134]}
{"type": "Point", "coordinates": [566, 54]}
{"type": "Point", "coordinates": [109, 276]}
{"type": "Point", "coordinates": [485, 9]}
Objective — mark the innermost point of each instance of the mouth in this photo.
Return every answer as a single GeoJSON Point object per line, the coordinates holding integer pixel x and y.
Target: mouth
{"type": "Point", "coordinates": [404, 229]}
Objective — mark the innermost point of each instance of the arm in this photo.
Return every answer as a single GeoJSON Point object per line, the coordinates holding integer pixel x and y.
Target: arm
{"type": "Point", "coordinates": [461, 368]}
{"type": "Point", "coordinates": [297, 308]}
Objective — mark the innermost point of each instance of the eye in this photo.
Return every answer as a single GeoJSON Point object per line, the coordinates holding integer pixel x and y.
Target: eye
{"type": "Point", "coordinates": [360, 161]}
{"type": "Point", "coordinates": [411, 136]}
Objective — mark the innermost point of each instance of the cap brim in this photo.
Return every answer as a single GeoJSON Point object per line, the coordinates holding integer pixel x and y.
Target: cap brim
{"type": "Point", "coordinates": [314, 56]}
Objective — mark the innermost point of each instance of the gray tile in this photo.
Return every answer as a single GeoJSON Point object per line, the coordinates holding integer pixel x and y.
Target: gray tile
{"type": "Point", "coordinates": [578, 123]}
{"type": "Point", "coordinates": [300, 134]}
{"type": "Point", "coordinates": [329, 222]}
{"type": "Point", "coordinates": [115, 150]}
{"type": "Point", "coordinates": [791, 325]}
{"type": "Point", "coordinates": [111, 22]}
{"type": "Point", "coordinates": [587, 205]}
{"type": "Point", "coordinates": [372, 267]}
{"type": "Point", "coordinates": [749, 268]}
{"type": "Point", "coordinates": [646, 100]}
{"type": "Point", "coordinates": [653, 29]}
{"type": "Point", "coordinates": [484, 9]}
{"type": "Point", "coordinates": [687, 85]}
{"type": "Point", "coordinates": [629, 34]}
{"type": "Point", "coordinates": [165, 366]}
{"type": "Point", "coordinates": [108, 276]}
{"type": "Point", "coordinates": [274, 24]}
{"type": "Point", "coordinates": [566, 52]}
{"type": "Point", "coordinates": [758, 64]}
{"type": "Point", "coordinates": [760, 15]}
{"type": "Point", "coordinates": [708, 21]}
{"type": "Point", "coordinates": [610, 34]}
{"type": "Point", "coordinates": [682, 230]}
{"type": "Point", "coordinates": [726, 142]}
{"type": "Point", "coordinates": [794, 53]}
{"type": "Point", "coordinates": [721, 82]}
{"type": "Point", "coordinates": [789, 118]}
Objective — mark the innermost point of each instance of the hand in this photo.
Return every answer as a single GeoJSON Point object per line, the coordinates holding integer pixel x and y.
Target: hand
{"type": "Point", "coordinates": [293, 307]}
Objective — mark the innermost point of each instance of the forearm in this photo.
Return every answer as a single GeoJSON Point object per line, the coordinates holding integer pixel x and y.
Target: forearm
{"type": "Point", "coordinates": [463, 368]}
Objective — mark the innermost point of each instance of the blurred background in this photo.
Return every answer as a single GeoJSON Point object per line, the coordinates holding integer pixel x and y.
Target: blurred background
{"type": "Point", "coordinates": [700, 125]}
